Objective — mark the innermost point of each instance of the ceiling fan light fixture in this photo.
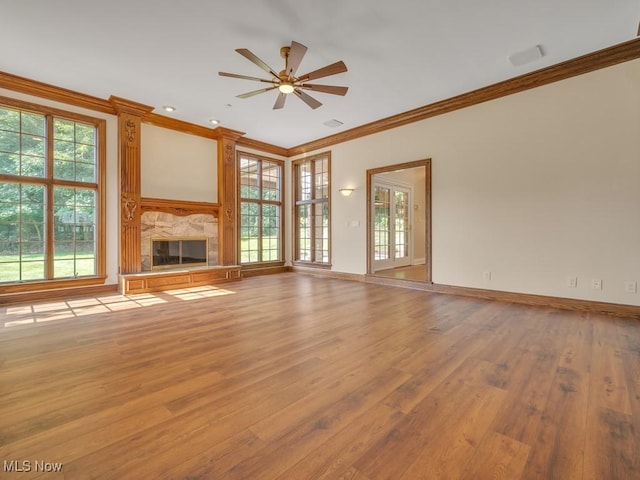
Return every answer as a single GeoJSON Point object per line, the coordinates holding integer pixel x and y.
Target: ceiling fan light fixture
{"type": "Point", "coordinates": [286, 87]}
{"type": "Point", "coordinates": [286, 82]}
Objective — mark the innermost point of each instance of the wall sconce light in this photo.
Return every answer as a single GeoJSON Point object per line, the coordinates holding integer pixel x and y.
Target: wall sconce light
{"type": "Point", "coordinates": [346, 191]}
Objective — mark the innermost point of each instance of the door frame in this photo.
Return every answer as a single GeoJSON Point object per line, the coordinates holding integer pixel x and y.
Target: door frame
{"type": "Point", "coordinates": [426, 163]}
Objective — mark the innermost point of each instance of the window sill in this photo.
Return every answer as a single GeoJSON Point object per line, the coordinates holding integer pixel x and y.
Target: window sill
{"type": "Point", "coordinates": [259, 265]}
{"type": "Point", "coordinates": [325, 266]}
{"type": "Point", "coordinates": [45, 285]}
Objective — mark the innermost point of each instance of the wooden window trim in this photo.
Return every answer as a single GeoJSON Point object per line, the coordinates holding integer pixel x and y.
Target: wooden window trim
{"type": "Point", "coordinates": [314, 201]}
{"type": "Point", "coordinates": [280, 203]}
{"type": "Point", "coordinates": [48, 181]}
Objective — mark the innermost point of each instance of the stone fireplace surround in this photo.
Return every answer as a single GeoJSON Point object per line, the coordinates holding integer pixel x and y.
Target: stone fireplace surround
{"type": "Point", "coordinates": [166, 225]}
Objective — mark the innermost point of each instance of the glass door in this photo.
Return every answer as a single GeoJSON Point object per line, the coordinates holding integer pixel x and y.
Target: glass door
{"type": "Point", "coordinates": [391, 226]}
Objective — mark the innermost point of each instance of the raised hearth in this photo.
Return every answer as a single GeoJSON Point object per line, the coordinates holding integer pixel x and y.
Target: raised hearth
{"type": "Point", "coordinates": [173, 279]}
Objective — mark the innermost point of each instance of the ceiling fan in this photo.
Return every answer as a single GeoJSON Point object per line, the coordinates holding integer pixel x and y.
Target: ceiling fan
{"type": "Point", "coordinates": [286, 81]}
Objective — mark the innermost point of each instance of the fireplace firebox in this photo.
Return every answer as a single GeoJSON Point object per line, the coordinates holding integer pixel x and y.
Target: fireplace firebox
{"type": "Point", "coordinates": [172, 252]}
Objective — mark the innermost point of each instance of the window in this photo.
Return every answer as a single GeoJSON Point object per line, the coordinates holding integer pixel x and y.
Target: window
{"type": "Point", "coordinates": [261, 195]}
{"type": "Point", "coordinates": [312, 209]}
{"type": "Point", "coordinates": [51, 190]}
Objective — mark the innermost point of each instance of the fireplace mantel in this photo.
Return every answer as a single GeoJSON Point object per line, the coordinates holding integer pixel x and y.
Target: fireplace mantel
{"type": "Point", "coordinates": [178, 207]}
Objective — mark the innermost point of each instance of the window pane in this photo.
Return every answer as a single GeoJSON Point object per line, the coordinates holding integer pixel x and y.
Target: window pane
{"type": "Point", "coordinates": [63, 130]}
{"type": "Point", "coordinates": [32, 251]}
{"type": "Point", "coordinates": [32, 232]}
{"type": "Point", "coordinates": [9, 163]}
{"type": "Point", "coordinates": [304, 233]}
{"type": "Point", "coordinates": [9, 271]}
{"type": "Point", "coordinates": [270, 181]}
{"type": "Point", "coordinates": [249, 178]}
{"type": "Point", "coordinates": [32, 166]}
{"type": "Point", "coordinates": [65, 267]}
{"type": "Point", "coordinates": [249, 231]}
{"type": "Point", "coordinates": [85, 134]}
{"type": "Point", "coordinates": [22, 231]}
{"type": "Point", "coordinates": [86, 266]}
{"type": "Point", "coordinates": [85, 153]}
{"type": "Point", "coordinates": [74, 232]}
{"type": "Point", "coordinates": [85, 172]}
{"type": "Point", "coordinates": [33, 123]}
{"type": "Point", "coordinates": [63, 170]}
{"type": "Point", "coordinates": [321, 232]}
{"type": "Point", "coordinates": [32, 145]}
{"type": "Point", "coordinates": [9, 192]}
{"type": "Point", "coordinates": [9, 119]}
{"type": "Point", "coordinates": [9, 231]}
{"type": "Point", "coordinates": [304, 181]}
{"type": "Point", "coordinates": [74, 151]}
{"type": "Point", "coordinates": [63, 150]}
{"type": "Point", "coordinates": [9, 142]}
{"type": "Point", "coordinates": [32, 270]}
{"type": "Point", "coordinates": [270, 232]}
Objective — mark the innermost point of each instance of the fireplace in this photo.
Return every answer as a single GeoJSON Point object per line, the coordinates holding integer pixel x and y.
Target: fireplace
{"type": "Point", "coordinates": [172, 252]}
{"type": "Point", "coordinates": [163, 226]}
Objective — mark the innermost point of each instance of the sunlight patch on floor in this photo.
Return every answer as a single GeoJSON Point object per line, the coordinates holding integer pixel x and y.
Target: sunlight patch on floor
{"type": "Point", "coordinates": [45, 312]}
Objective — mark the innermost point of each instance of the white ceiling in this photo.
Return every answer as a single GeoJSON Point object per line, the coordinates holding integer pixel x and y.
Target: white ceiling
{"type": "Point", "coordinates": [401, 54]}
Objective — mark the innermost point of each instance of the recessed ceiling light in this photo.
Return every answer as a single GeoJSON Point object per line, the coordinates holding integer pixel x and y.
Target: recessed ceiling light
{"type": "Point", "coordinates": [213, 121]}
{"type": "Point", "coordinates": [169, 108]}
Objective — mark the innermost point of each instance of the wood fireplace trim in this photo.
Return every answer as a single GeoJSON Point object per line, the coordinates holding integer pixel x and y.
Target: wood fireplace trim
{"type": "Point", "coordinates": [178, 207]}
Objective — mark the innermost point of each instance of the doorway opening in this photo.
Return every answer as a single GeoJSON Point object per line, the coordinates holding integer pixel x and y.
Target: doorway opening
{"type": "Point", "coordinates": [399, 221]}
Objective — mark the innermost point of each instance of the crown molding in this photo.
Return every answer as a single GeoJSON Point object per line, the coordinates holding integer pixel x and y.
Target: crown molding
{"type": "Point", "coordinates": [607, 57]}
{"type": "Point", "coordinates": [124, 105]}
{"type": "Point", "coordinates": [179, 125]}
{"type": "Point", "coordinates": [263, 146]}
{"type": "Point", "coordinates": [227, 133]}
{"type": "Point", "coordinates": [51, 92]}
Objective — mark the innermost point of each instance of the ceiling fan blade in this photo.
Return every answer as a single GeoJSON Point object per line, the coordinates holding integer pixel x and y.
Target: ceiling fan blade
{"type": "Point", "coordinates": [250, 56]}
{"type": "Point", "coordinates": [245, 77]}
{"type": "Point", "coordinates": [255, 92]}
{"type": "Point", "coordinates": [308, 99]}
{"type": "Point", "coordinates": [325, 88]}
{"type": "Point", "coordinates": [280, 101]}
{"type": "Point", "coordinates": [332, 69]}
{"type": "Point", "coordinates": [296, 53]}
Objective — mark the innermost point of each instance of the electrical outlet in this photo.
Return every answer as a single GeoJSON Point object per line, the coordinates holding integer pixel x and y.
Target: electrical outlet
{"type": "Point", "coordinates": [572, 282]}
{"type": "Point", "coordinates": [630, 287]}
{"type": "Point", "coordinates": [487, 275]}
{"type": "Point", "coordinates": [596, 284]}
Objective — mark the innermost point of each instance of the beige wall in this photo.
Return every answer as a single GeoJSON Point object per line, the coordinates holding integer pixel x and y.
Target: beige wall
{"type": "Point", "coordinates": [534, 187]}
{"type": "Point", "coordinates": [178, 166]}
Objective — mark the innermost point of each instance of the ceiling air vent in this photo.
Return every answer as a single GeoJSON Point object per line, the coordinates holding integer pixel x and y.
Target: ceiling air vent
{"type": "Point", "coordinates": [333, 123]}
{"type": "Point", "coordinates": [526, 56]}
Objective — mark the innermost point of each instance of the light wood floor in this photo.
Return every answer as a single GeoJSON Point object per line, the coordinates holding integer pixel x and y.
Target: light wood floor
{"type": "Point", "coordinates": [296, 377]}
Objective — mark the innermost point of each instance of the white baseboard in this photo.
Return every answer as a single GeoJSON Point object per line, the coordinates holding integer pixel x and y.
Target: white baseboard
{"type": "Point", "coordinates": [418, 261]}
